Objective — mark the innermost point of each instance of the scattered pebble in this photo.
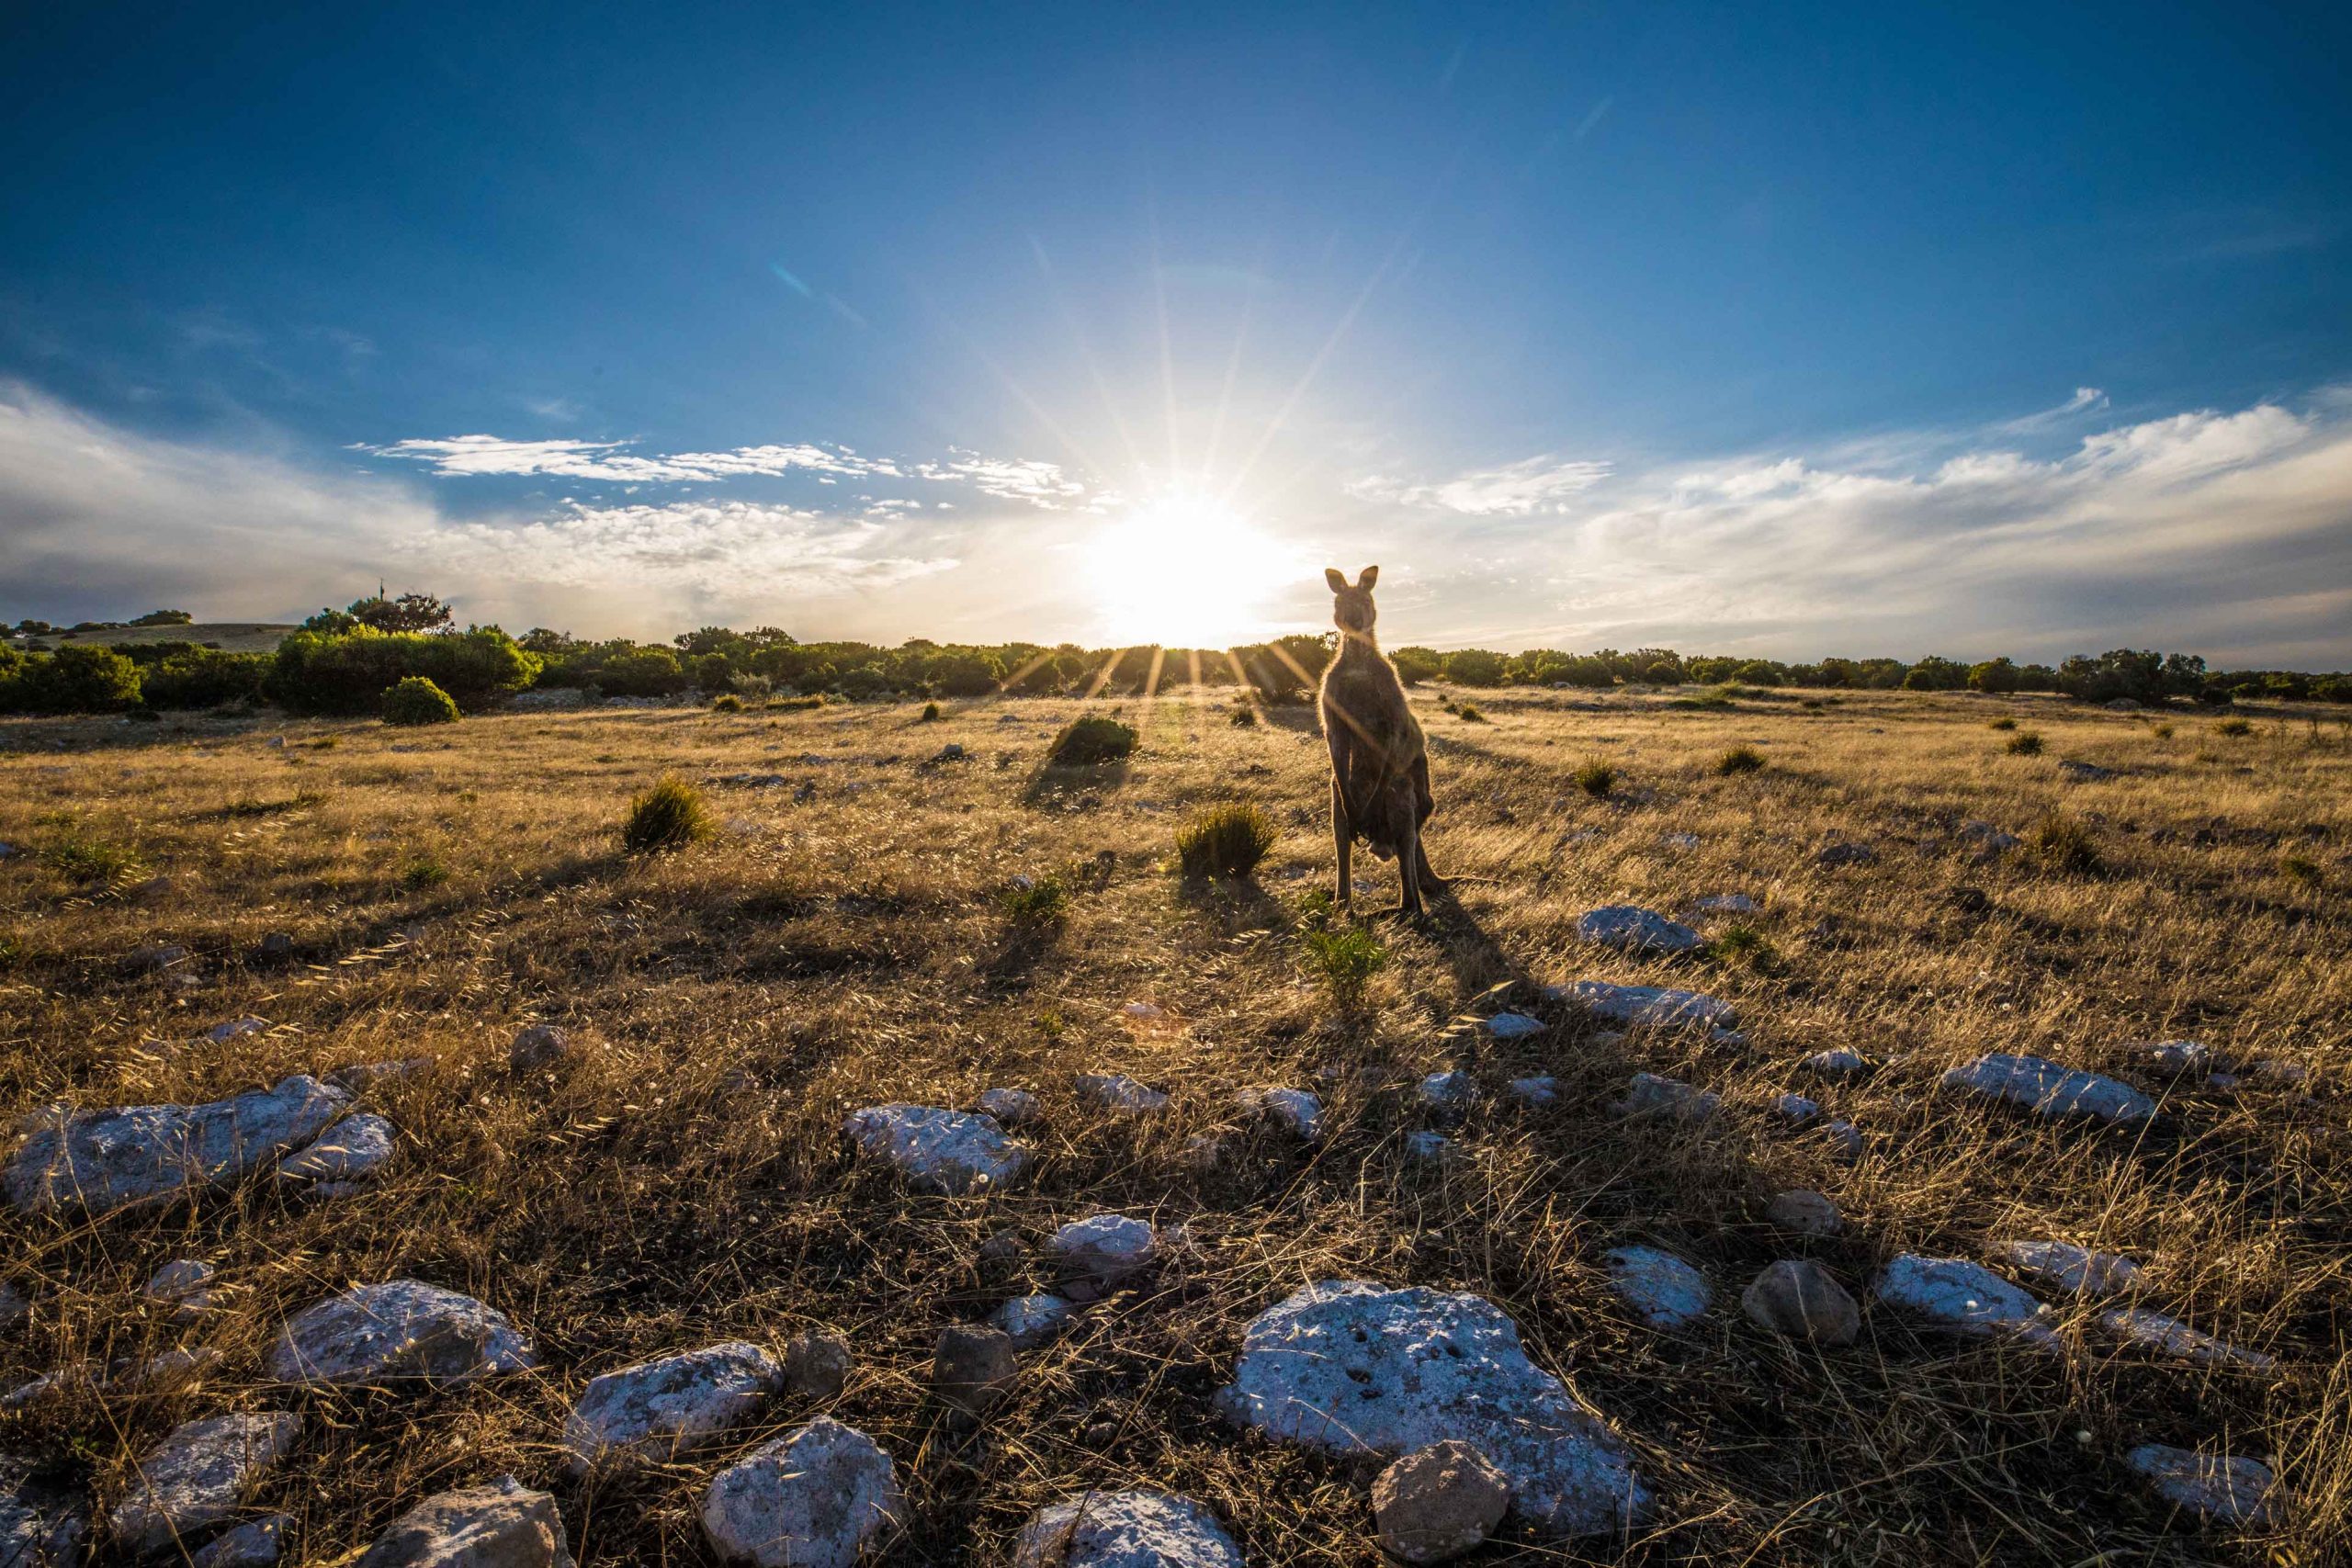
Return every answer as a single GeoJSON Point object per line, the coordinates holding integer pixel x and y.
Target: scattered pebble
{"type": "Point", "coordinates": [664, 1410]}
{"type": "Point", "coordinates": [1805, 1211]}
{"type": "Point", "coordinates": [1009, 1107]}
{"type": "Point", "coordinates": [2229, 1491]}
{"type": "Point", "coordinates": [1646, 1094]}
{"type": "Point", "coordinates": [1965, 1297]}
{"type": "Point", "coordinates": [1630, 929]}
{"type": "Point", "coordinates": [1541, 1091]}
{"type": "Point", "coordinates": [1647, 1007]}
{"type": "Point", "coordinates": [2170, 1336]}
{"type": "Point", "coordinates": [1116, 1092]}
{"type": "Point", "coordinates": [1294, 1108]}
{"type": "Point", "coordinates": [2078, 1270]}
{"type": "Point", "coordinates": [1103, 1251]}
{"type": "Point", "coordinates": [972, 1368]}
{"type": "Point", "coordinates": [1799, 1299]}
{"type": "Point", "coordinates": [817, 1364]}
{"type": "Point", "coordinates": [503, 1525]}
{"type": "Point", "coordinates": [951, 1151]}
{"type": "Point", "coordinates": [185, 1285]}
{"type": "Point", "coordinates": [821, 1496]}
{"type": "Point", "coordinates": [1032, 1321]}
{"type": "Point", "coordinates": [539, 1047]}
{"type": "Point", "coordinates": [197, 1476]}
{"type": "Point", "coordinates": [1513, 1026]}
{"type": "Point", "coordinates": [1664, 1290]}
{"type": "Point", "coordinates": [1836, 1062]}
{"type": "Point", "coordinates": [1439, 1502]}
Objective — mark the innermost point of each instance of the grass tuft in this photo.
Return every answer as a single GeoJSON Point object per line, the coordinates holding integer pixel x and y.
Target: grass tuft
{"type": "Point", "coordinates": [2024, 743]}
{"type": "Point", "coordinates": [1595, 777]}
{"type": "Point", "coordinates": [1225, 840]}
{"type": "Point", "coordinates": [1244, 718]}
{"type": "Point", "coordinates": [1739, 760]}
{"type": "Point", "coordinates": [1042, 902]}
{"type": "Point", "coordinates": [2235, 726]}
{"type": "Point", "coordinates": [2005, 722]}
{"type": "Point", "coordinates": [727, 702]}
{"type": "Point", "coordinates": [1342, 960]}
{"type": "Point", "coordinates": [92, 860]}
{"type": "Point", "coordinates": [669, 815]}
{"type": "Point", "coordinates": [1091, 740]}
{"type": "Point", "coordinates": [930, 713]}
{"type": "Point", "coordinates": [2064, 843]}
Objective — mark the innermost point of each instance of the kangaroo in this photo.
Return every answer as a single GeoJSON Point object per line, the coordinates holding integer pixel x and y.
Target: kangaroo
{"type": "Point", "coordinates": [1379, 764]}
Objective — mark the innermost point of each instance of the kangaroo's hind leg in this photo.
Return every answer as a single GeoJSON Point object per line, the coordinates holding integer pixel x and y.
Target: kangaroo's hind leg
{"type": "Point", "coordinates": [1343, 840]}
{"type": "Point", "coordinates": [1409, 862]}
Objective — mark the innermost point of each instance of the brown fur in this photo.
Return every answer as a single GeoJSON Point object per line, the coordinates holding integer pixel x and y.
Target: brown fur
{"type": "Point", "coordinates": [1379, 764]}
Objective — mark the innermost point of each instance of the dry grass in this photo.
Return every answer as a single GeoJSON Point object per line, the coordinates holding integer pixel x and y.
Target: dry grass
{"type": "Point", "coordinates": [850, 943]}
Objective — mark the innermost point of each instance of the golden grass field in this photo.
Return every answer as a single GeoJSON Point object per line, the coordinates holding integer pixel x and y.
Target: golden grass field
{"type": "Point", "coordinates": [685, 1181]}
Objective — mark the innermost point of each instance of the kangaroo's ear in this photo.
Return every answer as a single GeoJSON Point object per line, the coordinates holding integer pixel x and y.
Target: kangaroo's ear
{"type": "Point", "coordinates": [1332, 575]}
{"type": "Point", "coordinates": [1370, 576]}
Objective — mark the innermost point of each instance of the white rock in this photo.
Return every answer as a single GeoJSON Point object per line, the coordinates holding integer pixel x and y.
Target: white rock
{"type": "Point", "coordinates": [1116, 1092]}
{"type": "Point", "coordinates": [2048, 1089]}
{"type": "Point", "coordinates": [1449, 1093]}
{"type": "Point", "coordinates": [1965, 1297]}
{"type": "Point", "coordinates": [1355, 1368]}
{"type": "Point", "coordinates": [2170, 1336]}
{"type": "Point", "coordinates": [1008, 1107]}
{"type": "Point", "coordinates": [1646, 1094]}
{"type": "Point", "coordinates": [185, 1285]}
{"type": "Point", "coordinates": [355, 1149]}
{"type": "Point", "coordinates": [236, 1029]}
{"type": "Point", "coordinates": [1104, 1249]}
{"type": "Point", "coordinates": [96, 1161]}
{"type": "Point", "coordinates": [662, 1410]}
{"type": "Point", "coordinates": [1513, 1026]}
{"type": "Point", "coordinates": [400, 1330]}
{"type": "Point", "coordinates": [2180, 1056]}
{"type": "Point", "coordinates": [1539, 1091]}
{"type": "Point", "coordinates": [1663, 1290]}
{"type": "Point", "coordinates": [1648, 1007]}
{"type": "Point", "coordinates": [1844, 1139]}
{"type": "Point", "coordinates": [1795, 1107]}
{"type": "Point", "coordinates": [1628, 928]}
{"type": "Point", "coordinates": [1294, 1108]}
{"type": "Point", "coordinates": [1836, 1062]}
{"type": "Point", "coordinates": [2066, 1266]}
{"type": "Point", "coordinates": [1729, 904]}
{"type": "Point", "coordinates": [42, 1524]}
{"type": "Point", "coordinates": [1125, 1529]}
{"type": "Point", "coordinates": [197, 1476]}
{"type": "Point", "coordinates": [821, 1496]}
{"type": "Point", "coordinates": [503, 1525]}
{"type": "Point", "coordinates": [1032, 1321]}
{"type": "Point", "coordinates": [257, 1544]}
{"type": "Point", "coordinates": [1678, 841]}
{"type": "Point", "coordinates": [950, 1150]}
{"type": "Point", "coordinates": [2232, 1490]}
{"type": "Point", "coordinates": [1428, 1147]}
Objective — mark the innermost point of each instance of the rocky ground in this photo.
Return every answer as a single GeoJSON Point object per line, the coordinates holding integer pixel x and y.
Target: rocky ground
{"type": "Point", "coordinates": [1912, 1149]}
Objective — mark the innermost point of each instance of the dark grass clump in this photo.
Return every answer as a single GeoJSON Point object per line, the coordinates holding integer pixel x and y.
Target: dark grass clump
{"type": "Point", "coordinates": [794, 704]}
{"type": "Point", "coordinates": [2003, 723]}
{"type": "Point", "coordinates": [1091, 740]}
{"type": "Point", "coordinates": [1042, 902]}
{"type": "Point", "coordinates": [1745, 945]}
{"type": "Point", "coordinates": [2301, 868]}
{"type": "Point", "coordinates": [416, 700]}
{"type": "Point", "coordinates": [422, 872]}
{"type": "Point", "coordinates": [92, 860]}
{"type": "Point", "coordinates": [727, 702]}
{"type": "Point", "coordinates": [1244, 718]}
{"type": "Point", "coordinates": [2063, 843]}
{"type": "Point", "coordinates": [1342, 960]}
{"type": "Point", "coordinates": [2025, 743]}
{"type": "Point", "coordinates": [1225, 840]}
{"type": "Point", "coordinates": [1595, 777]}
{"type": "Point", "coordinates": [670, 816]}
{"type": "Point", "coordinates": [2235, 727]}
{"type": "Point", "coordinates": [930, 713]}
{"type": "Point", "coordinates": [1739, 760]}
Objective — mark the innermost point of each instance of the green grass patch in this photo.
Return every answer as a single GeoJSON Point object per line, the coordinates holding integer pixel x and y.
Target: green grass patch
{"type": "Point", "coordinates": [1739, 760]}
{"type": "Point", "coordinates": [669, 815]}
{"type": "Point", "coordinates": [1091, 740]}
{"type": "Point", "coordinates": [1225, 841]}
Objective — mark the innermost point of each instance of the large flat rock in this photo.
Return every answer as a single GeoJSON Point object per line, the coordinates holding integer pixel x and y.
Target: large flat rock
{"type": "Point", "coordinates": [503, 1525]}
{"type": "Point", "coordinates": [2046, 1089]}
{"type": "Point", "coordinates": [1648, 1007]}
{"type": "Point", "coordinates": [1965, 1297]}
{"type": "Point", "coordinates": [823, 1495]}
{"type": "Point", "coordinates": [401, 1330]}
{"type": "Point", "coordinates": [1125, 1529]}
{"type": "Point", "coordinates": [662, 1410]}
{"type": "Point", "coordinates": [952, 1151]}
{"type": "Point", "coordinates": [196, 1477]}
{"type": "Point", "coordinates": [1356, 1368]}
{"type": "Point", "coordinates": [96, 1161]}
{"type": "Point", "coordinates": [1628, 928]}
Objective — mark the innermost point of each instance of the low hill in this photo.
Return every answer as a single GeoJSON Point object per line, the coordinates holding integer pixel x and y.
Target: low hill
{"type": "Point", "coordinates": [232, 637]}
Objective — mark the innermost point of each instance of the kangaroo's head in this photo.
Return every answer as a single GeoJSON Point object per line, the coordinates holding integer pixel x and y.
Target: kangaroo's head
{"type": "Point", "coordinates": [1352, 610]}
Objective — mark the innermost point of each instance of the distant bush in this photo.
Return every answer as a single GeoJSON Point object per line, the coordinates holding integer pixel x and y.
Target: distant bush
{"type": "Point", "coordinates": [162, 618]}
{"type": "Point", "coordinates": [1343, 961]}
{"type": "Point", "coordinates": [2063, 844]}
{"type": "Point", "coordinates": [1225, 841]}
{"type": "Point", "coordinates": [796, 705]}
{"type": "Point", "coordinates": [641, 672]}
{"type": "Point", "coordinates": [669, 815]}
{"type": "Point", "coordinates": [348, 673]}
{"type": "Point", "coordinates": [1595, 777]}
{"type": "Point", "coordinates": [1475, 667]}
{"type": "Point", "coordinates": [2024, 743]}
{"type": "Point", "coordinates": [2004, 723]}
{"type": "Point", "coordinates": [416, 700]}
{"type": "Point", "coordinates": [727, 702]}
{"type": "Point", "coordinates": [85, 679]}
{"type": "Point", "coordinates": [1739, 760]}
{"type": "Point", "coordinates": [1466, 712]}
{"type": "Point", "coordinates": [1089, 741]}
{"type": "Point", "coordinates": [205, 678]}
{"type": "Point", "coordinates": [2233, 727]}
{"type": "Point", "coordinates": [1244, 716]}
{"type": "Point", "coordinates": [930, 713]}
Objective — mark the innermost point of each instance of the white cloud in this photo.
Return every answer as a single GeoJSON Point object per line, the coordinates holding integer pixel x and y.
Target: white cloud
{"type": "Point", "coordinates": [1534, 485]}
{"type": "Point", "coordinates": [1042, 485]}
{"type": "Point", "coordinates": [472, 455]}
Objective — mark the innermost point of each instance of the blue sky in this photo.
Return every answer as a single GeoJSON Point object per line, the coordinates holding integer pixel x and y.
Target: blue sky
{"type": "Point", "coordinates": [1792, 328]}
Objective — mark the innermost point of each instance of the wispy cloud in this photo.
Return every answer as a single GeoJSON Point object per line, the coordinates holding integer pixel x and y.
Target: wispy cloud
{"type": "Point", "coordinates": [1523, 489]}
{"type": "Point", "coordinates": [472, 455]}
{"type": "Point", "coordinates": [2086, 402]}
{"type": "Point", "coordinates": [1040, 484]}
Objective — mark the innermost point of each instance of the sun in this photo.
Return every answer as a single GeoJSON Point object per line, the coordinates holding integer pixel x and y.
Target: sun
{"type": "Point", "coordinates": [1186, 570]}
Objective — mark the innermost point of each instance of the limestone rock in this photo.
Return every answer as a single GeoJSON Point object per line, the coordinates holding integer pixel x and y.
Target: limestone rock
{"type": "Point", "coordinates": [948, 1150]}
{"type": "Point", "coordinates": [1663, 1290]}
{"type": "Point", "coordinates": [361, 1077]}
{"type": "Point", "coordinates": [154, 960]}
{"type": "Point", "coordinates": [1541, 1091]}
{"type": "Point", "coordinates": [42, 1523]}
{"type": "Point", "coordinates": [1513, 1026]}
{"type": "Point", "coordinates": [666, 1409]}
{"type": "Point", "coordinates": [1646, 1094]}
{"type": "Point", "coordinates": [1439, 1502]}
{"type": "Point", "coordinates": [1648, 1007]}
{"type": "Point", "coordinates": [1846, 1140]}
{"type": "Point", "coordinates": [96, 1161]}
{"type": "Point", "coordinates": [1836, 1062]}
{"type": "Point", "coordinates": [2048, 1089]}
{"type": "Point", "coordinates": [1795, 1109]}
{"type": "Point", "coordinates": [1799, 1299]}
{"type": "Point", "coordinates": [1630, 929]}
{"type": "Point", "coordinates": [1729, 904]}
{"type": "Point", "coordinates": [819, 1497]}
{"type": "Point", "coordinates": [257, 1544]}
{"type": "Point", "coordinates": [1032, 1321]}
{"type": "Point", "coordinates": [1805, 1211]}
{"type": "Point", "coordinates": [2231, 1491]}
{"type": "Point", "coordinates": [1125, 1529]}
{"type": "Point", "coordinates": [197, 1475]}
{"type": "Point", "coordinates": [503, 1525]}
{"type": "Point", "coordinates": [1294, 1108]}
{"type": "Point", "coordinates": [402, 1329]}
{"type": "Point", "coordinates": [2170, 1336]}
{"type": "Point", "coordinates": [972, 1368]}
{"type": "Point", "coordinates": [1355, 1368]}
{"type": "Point", "coordinates": [538, 1047]}
{"type": "Point", "coordinates": [1447, 1096]}
{"type": "Point", "coordinates": [1427, 1147]}
{"type": "Point", "coordinates": [1008, 1107]}
{"type": "Point", "coordinates": [184, 1285]}
{"type": "Point", "coordinates": [1965, 1297]}
{"type": "Point", "coordinates": [1116, 1092]}
{"type": "Point", "coordinates": [2078, 1270]}
{"type": "Point", "coordinates": [1103, 1251]}
{"type": "Point", "coordinates": [2178, 1056]}
{"type": "Point", "coordinates": [356, 1149]}
{"type": "Point", "coordinates": [817, 1364]}
{"type": "Point", "coordinates": [236, 1029]}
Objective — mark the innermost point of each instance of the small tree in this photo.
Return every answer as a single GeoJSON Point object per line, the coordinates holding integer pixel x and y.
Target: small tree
{"type": "Point", "coordinates": [415, 700]}
{"type": "Point", "coordinates": [409, 613]}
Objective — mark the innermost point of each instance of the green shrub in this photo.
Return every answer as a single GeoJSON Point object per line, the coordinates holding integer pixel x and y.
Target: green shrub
{"type": "Point", "coordinates": [795, 704]}
{"type": "Point", "coordinates": [1244, 716]}
{"type": "Point", "coordinates": [1739, 760]}
{"type": "Point", "coordinates": [1225, 841]}
{"type": "Point", "coordinates": [204, 678]}
{"type": "Point", "coordinates": [421, 871]}
{"type": "Point", "coordinates": [727, 702]}
{"type": "Point", "coordinates": [669, 815]}
{"type": "Point", "coordinates": [1091, 740]}
{"type": "Point", "coordinates": [2024, 743]}
{"type": "Point", "coordinates": [1343, 961]}
{"type": "Point", "coordinates": [348, 673]}
{"type": "Point", "coordinates": [930, 713]}
{"type": "Point", "coordinates": [92, 860]}
{"type": "Point", "coordinates": [2003, 723]}
{"type": "Point", "coordinates": [1595, 777]}
{"type": "Point", "coordinates": [2063, 844]}
{"type": "Point", "coordinates": [1468, 714]}
{"type": "Point", "coordinates": [416, 700]}
{"type": "Point", "coordinates": [77, 680]}
{"type": "Point", "coordinates": [1745, 944]}
{"type": "Point", "coordinates": [1041, 902]}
